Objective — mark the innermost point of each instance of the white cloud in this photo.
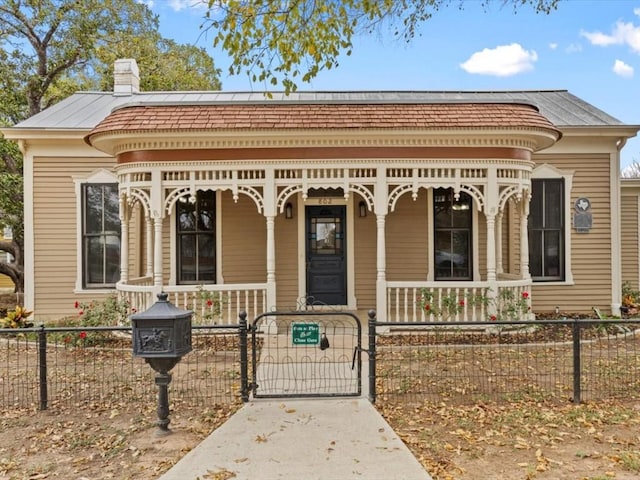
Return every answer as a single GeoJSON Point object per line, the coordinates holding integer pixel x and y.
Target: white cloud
{"type": "Point", "coordinates": [622, 69]}
{"type": "Point", "coordinates": [502, 61]}
{"type": "Point", "coordinates": [636, 11]}
{"type": "Point", "coordinates": [622, 34]}
{"type": "Point", "coordinates": [553, 45]}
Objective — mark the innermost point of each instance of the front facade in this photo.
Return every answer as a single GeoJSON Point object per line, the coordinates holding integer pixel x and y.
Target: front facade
{"type": "Point", "coordinates": [422, 205]}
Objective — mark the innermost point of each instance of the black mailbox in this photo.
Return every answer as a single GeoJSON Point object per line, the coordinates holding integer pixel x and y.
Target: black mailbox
{"type": "Point", "coordinates": [162, 336]}
{"type": "Point", "coordinates": [162, 331]}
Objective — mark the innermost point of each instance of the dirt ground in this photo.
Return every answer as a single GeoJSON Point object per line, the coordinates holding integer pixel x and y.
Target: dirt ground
{"type": "Point", "coordinates": [517, 441]}
{"type": "Point", "coordinates": [506, 442]}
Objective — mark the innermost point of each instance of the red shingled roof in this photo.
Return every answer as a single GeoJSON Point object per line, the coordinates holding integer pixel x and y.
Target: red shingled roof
{"type": "Point", "coordinates": [322, 116]}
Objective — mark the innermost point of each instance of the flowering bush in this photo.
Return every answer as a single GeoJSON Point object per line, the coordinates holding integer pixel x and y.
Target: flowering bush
{"type": "Point", "coordinates": [109, 312]}
{"type": "Point", "coordinates": [210, 304]}
{"type": "Point", "coordinates": [507, 306]}
{"type": "Point", "coordinates": [443, 307]}
{"type": "Point", "coordinates": [17, 318]}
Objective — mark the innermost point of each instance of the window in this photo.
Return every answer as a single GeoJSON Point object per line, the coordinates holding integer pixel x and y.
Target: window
{"type": "Point", "coordinates": [452, 235]}
{"type": "Point", "coordinates": [546, 230]}
{"type": "Point", "coordinates": [100, 235]}
{"type": "Point", "coordinates": [196, 235]}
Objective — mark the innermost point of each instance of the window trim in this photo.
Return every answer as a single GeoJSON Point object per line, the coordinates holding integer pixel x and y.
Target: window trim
{"type": "Point", "coordinates": [100, 176]}
{"type": "Point", "coordinates": [550, 172]}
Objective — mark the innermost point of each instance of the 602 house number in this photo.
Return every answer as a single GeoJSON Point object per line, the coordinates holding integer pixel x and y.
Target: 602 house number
{"type": "Point", "coordinates": [325, 201]}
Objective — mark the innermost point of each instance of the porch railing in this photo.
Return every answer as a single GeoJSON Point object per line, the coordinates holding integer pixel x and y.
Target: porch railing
{"type": "Point", "coordinates": [211, 304]}
{"type": "Point", "coordinates": [458, 301]}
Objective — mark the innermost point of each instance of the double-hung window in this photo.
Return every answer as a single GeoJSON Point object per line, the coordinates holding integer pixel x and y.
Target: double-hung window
{"type": "Point", "coordinates": [452, 235]}
{"type": "Point", "coordinates": [546, 230]}
{"type": "Point", "coordinates": [100, 235]}
{"type": "Point", "coordinates": [196, 239]}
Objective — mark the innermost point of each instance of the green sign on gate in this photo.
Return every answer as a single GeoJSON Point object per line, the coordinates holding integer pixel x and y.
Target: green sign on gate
{"type": "Point", "coordinates": [305, 333]}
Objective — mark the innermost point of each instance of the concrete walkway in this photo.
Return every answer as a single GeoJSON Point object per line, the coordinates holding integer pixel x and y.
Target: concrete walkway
{"type": "Point", "coordinates": [323, 439]}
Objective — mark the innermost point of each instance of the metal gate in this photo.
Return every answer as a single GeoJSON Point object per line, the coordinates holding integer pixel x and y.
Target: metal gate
{"type": "Point", "coordinates": [306, 354]}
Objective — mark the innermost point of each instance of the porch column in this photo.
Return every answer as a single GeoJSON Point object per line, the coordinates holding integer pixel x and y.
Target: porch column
{"type": "Point", "coordinates": [149, 246]}
{"type": "Point", "coordinates": [381, 207]}
{"type": "Point", "coordinates": [270, 212]}
{"type": "Point", "coordinates": [157, 251]}
{"type": "Point", "coordinates": [271, 261]}
{"type": "Point", "coordinates": [381, 267]}
{"type": "Point", "coordinates": [524, 238]}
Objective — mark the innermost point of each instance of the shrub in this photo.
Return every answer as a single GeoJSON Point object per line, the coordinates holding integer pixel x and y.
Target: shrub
{"type": "Point", "coordinates": [17, 318]}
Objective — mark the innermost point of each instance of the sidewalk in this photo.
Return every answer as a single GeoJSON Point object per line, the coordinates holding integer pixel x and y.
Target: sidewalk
{"type": "Point", "coordinates": [311, 439]}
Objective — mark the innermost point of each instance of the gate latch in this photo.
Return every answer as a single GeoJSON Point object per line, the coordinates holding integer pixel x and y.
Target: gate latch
{"type": "Point", "coordinates": [357, 349]}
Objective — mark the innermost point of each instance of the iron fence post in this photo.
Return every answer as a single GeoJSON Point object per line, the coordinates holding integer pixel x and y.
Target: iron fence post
{"type": "Point", "coordinates": [576, 362]}
{"type": "Point", "coordinates": [42, 364]}
{"type": "Point", "coordinates": [372, 356]}
{"type": "Point", "coordinates": [244, 363]}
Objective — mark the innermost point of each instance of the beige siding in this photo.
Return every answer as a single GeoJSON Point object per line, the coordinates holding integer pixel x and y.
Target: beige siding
{"type": "Point", "coordinates": [287, 258]}
{"type": "Point", "coordinates": [630, 231]}
{"type": "Point", "coordinates": [244, 241]}
{"type": "Point", "coordinates": [407, 239]}
{"type": "Point", "coordinates": [591, 252]}
{"type": "Point", "coordinates": [482, 245]}
{"type": "Point", "coordinates": [55, 241]}
{"type": "Point", "coordinates": [365, 240]}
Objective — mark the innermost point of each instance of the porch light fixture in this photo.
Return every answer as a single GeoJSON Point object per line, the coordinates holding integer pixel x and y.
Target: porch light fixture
{"type": "Point", "coordinates": [458, 205]}
{"type": "Point", "coordinates": [288, 210]}
{"type": "Point", "coordinates": [362, 208]}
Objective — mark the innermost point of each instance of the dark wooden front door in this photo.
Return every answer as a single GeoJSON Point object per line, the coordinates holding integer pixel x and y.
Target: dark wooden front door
{"type": "Point", "coordinates": [326, 255]}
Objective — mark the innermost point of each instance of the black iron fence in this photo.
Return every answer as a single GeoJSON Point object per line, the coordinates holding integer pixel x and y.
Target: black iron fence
{"type": "Point", "coordinates": [575, 360]}
{"type": "Point", "coordinates": [88, 366]}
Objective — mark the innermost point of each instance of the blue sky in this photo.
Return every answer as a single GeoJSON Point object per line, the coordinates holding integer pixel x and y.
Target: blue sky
{"type": "Point", "coordinates": [589, 47]}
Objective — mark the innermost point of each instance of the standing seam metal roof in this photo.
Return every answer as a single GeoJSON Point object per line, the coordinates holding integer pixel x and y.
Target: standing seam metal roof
{"type": "Point", "coordinates": [85, 110]}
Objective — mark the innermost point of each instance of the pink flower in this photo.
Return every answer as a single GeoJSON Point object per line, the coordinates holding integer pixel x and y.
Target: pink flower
{"type": "Point", "coordinates": [427, 307]}
{"type": "Point", "coordinates": [80, 312]}
{"type": "Point", "coordinates": [209, 302]}
{"type": "Point", "coordinates": [525, 294]}
{"type": "Point", "coordinates": [493, 318]}
{"type": "Point", "coordinates": [77, 304]}
{"type": "Point", "coordinates": [82, 335]}
{"type": "Point", "coordinates": [461, 303]}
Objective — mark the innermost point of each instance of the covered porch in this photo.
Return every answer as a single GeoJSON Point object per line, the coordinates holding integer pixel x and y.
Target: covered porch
{"type": "Point", "coordinates": [378, 204]}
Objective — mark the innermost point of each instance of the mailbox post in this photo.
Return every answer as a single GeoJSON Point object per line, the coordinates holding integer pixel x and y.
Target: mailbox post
{"type": "Point", "coordinates": [162, 336]}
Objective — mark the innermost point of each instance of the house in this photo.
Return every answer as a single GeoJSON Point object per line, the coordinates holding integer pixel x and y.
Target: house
{"type": "Point", "coordinates": [422, 205]}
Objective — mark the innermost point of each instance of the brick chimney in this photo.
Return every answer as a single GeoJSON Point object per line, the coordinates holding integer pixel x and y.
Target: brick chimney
{"type": "Point", "coordinates": [126, 77]}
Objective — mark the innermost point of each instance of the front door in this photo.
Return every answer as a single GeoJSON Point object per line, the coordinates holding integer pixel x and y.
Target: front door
{"type": "Point", "coordinates": [326, 254]}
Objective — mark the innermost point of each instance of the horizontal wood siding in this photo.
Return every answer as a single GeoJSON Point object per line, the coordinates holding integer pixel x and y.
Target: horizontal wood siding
{"type": "Point", "coordinates": [55, 241]}
{"type": "Point", "coordinates": [591, 252]}
{"type": "Point", "coordinates": [365, 241]}
{"type": "Point", "coordinates": [407, 239]}
{"type": "Point", "coordinates": [482, 245]}
{"type": "Point", "coordinates": [630, 231]}
{"type": "Point", "coordinates": [244, 241]}
{"type": "Point", "coordinates": [287, 258]}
